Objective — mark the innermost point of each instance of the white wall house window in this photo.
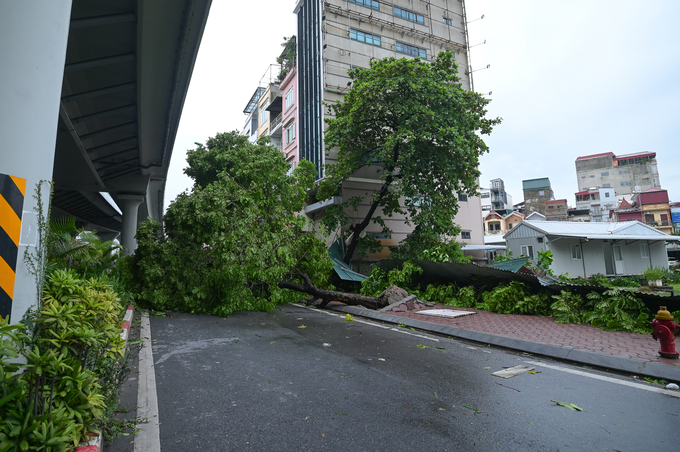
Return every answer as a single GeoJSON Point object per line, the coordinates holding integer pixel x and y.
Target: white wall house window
{"type": "Point", "coordinates": [467, 235]}
{"type": "Point", "coordinates": [462, 197]}
{"type": "Point", "coordinates": [289, 98]}
{"type": "Point", "coordinates": [290, 133]}
{"type": "Point", "coordinates": [527, 250]}
{"type": "Point", "coordinates": [644, 251]}
{"type": "Point", "coordinates": [576, 252]}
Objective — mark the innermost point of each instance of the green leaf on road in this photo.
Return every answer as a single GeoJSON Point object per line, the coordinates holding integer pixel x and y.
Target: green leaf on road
{"type": "Point", "coordinates": [570, 406]}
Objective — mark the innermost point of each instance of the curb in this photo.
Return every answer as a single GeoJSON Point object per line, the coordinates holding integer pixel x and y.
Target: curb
{"type": "Point", "coordinates": [95, 443]}
{"type": "Point", "coordinates": [645, 368]}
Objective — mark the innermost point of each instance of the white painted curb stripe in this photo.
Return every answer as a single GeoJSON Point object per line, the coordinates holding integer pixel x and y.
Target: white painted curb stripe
{"type": "Point", "coordinates": [147, 438]}
{"type": "Point", "coordinates": [630, 384]}
{"type": "Point", "coordinates": [127, 319]}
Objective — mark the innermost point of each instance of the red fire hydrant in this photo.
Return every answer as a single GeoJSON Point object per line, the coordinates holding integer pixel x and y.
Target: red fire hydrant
{"type": "Point", "coordinates": [664, 329]}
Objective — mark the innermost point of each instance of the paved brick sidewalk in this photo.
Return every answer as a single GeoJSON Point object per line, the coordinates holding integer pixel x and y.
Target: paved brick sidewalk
{"type": "Point", "coordinates": [617, 350]}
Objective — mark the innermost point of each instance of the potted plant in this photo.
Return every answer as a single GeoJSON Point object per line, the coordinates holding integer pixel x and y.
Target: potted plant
{"type": "Point", "coordinates": [654, 276]}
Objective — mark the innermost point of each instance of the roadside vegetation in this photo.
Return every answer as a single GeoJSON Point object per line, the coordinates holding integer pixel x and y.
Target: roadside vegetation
{"type": "Point", "coordinates": [62, 365]}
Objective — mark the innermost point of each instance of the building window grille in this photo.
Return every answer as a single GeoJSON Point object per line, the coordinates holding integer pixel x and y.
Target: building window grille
{"type": "Point", "coordinates": [466, 235]}
{"type": "Point", "coordinates": [462, 197]}
{"type": "Point", "coordinates": [367, 3]}
{"type": "Point", "coordinates": [448, 21]}
{"type": "Point", "coordinates": [408, 15]}
{"type": "Point", "coordinates": [362, 36]}
{"type": "Point", "coordinates": [411, 50]}
{"type": "Point", "coordinates": [576, 252]}
{"type": "Point", "coordinates": [644, 251]}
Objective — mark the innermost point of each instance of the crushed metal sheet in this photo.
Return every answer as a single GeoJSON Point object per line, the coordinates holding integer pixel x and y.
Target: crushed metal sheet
{"type": "Point", "coordinates": [445, 313]}
{"type": "Point", "coordinates": [512, 371]}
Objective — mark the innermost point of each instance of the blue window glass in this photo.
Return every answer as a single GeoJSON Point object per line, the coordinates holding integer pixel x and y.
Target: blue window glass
{"type": "Point", "coordinates": [408, 15]}
{"type": "Point", "coordinates": [448, 21]}
{"type": "Point", "coordinates": [411, 50]}
{"type": "Point", "coordinates": [367, 3]}
{"type": "Point", "coordinates": [362, 36]}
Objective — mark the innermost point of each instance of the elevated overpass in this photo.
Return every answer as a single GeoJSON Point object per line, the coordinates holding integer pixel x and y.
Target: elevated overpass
{"type": "Point", "coordinates": [91, 93]}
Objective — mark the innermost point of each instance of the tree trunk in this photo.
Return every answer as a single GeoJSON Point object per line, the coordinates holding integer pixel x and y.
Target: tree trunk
{"type": "Point", "coordinates": [327, 296]}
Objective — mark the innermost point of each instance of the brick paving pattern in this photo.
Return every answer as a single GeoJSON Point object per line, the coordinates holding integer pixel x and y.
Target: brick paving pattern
{"type": "Point", "coordinates": [546, 331]}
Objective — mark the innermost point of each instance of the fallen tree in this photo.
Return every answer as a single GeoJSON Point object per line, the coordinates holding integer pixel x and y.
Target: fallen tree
{"type": "Point", "coordinates": [326, 296]}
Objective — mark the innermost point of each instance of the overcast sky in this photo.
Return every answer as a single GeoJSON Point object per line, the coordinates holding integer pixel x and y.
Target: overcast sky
{"type": "Point", "coordinates": [569, 78]}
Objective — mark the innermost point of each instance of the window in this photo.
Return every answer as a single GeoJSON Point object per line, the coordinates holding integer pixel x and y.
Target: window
{"type": "Point", "coordinates": [264, 114]}
{"type": "Point", "coordinates": [485, 195]}
{"type": "Point", "coordinates": [486, 207]}
{"type": "Point", "coordinates": [623, 171]}
{"type": "Point", "coordinates": [379, 235]}
{"type": "Point", "coordinates": [592, 175]}
{"type": "Point", "coordinates": [290, 133]}
{"type": "Point", "coordinates": [644, 250]}
{"type": "Point", "coordinates": [527, 250]}
{"type": "Point", "coordinates": [606, 173]}
{"type": "Point", "coordinates": [362, 36]}
{"type": "Point", "coordinates": [607, 186]}
{"type": "Point", "coordinates": [541, 193]}
{"type": "Point", "coordinates": [583, 177]}
{"type": "Point", "coordinates": [466, 235]}
{"type": "Point", "coordinates": [510, 225]}
{"type": "Point", "coordinates": [462, 197]}
{"type": "Point", "coordinates": [576, 252]}
{"type": "Point", "coordinates": [625, 183]}
{"type": "Point", "coordinates": [408, 15]}
{"type": "Point", "coordinates": [367, 3]}
{"type": "Point", "coordinates": [448, 21]}
{"type": "Point", "coordinates": [289, 98]}
{"type": "Point", "coordinates": [606, 194]}
{"type": "Point", "coordinates": [411, 50]}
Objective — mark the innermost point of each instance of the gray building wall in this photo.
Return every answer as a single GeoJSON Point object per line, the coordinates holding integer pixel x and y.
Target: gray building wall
{"type": "Point", "coordinates": [601, 172]}
{"type": "Point", "coordinates": [534, 200]}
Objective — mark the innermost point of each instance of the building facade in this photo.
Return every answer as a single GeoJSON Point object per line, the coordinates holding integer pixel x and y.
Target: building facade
{"type": "Point", "coordinates": [556, 210]}
{"type": "Point", "coordinates": [598, 201]}
{"type": "Point", "coordinates": [536, 193]}
{"type": "Point", "coordinates": [335, 36]}
{"type": "Point", "coordinates": [626, 174]}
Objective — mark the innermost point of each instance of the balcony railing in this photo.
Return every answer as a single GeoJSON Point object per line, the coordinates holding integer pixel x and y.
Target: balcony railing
{"type": "Point", "coordinates": [659, 223]}
{"type": "Point", "coordinates": [276, 121]}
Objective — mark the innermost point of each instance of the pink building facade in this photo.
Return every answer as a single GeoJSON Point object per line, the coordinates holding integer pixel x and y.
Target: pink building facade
{"type": "Point", "coordinates": [289, 120]}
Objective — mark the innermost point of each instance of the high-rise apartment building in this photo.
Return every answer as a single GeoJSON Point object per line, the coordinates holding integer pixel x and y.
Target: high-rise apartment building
{"type": "Point", "coordinates": [335, 36]}
{"type": "Point", "coordinates": [626, 174]}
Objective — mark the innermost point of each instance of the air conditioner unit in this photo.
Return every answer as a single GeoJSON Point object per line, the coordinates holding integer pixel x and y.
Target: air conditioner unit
{"type": "Point", "coordinates": [637, 189]}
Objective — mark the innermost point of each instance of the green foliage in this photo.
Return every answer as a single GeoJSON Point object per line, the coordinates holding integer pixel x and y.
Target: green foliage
{"type": "Point", "coordinates": [567, 308]}
{"type": "Point", "coordinates": [514, 298]}
{"type": "Point", "coordinates": [429, 247]}
{"type": "Point", "coordinates": [445, 293]}
{"type": "Point", "coordinates": [72, 365]}
{"type": "Point", "coordinates": [652, 274]}
{"type": "Point", "coordinates": [504, 257]}
{"type": "Point", "coordinates": [379, 280]}
{"type": "Point", "coordinates": [412, 124]}
{"type": "Point", "coordinates": [617, 310]}
{"type": "Point", "coordinates": [229, 241]}
{"type": "Point", "coordinates": [625, 281]}
{"type": "Point", "coordinates": [287, 58]}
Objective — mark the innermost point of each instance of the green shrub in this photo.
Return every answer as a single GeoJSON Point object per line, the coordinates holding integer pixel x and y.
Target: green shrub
{"type": "Point", "coordinates": [567, 308]}
{"type": "Point", "coordinates": [625, 281]}
{"type": "Point", "coordinates": [617, 310]}
{"type": "Point", "coordinates": [379, 280]}
{"type": "Point", "coordinates": [653, 274]}
{"type": "Point", "coordinates": [514, 298]}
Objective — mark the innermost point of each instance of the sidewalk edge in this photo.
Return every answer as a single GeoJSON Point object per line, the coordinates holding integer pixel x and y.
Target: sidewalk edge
{"type": "Point", "coordinates": [645, 368]}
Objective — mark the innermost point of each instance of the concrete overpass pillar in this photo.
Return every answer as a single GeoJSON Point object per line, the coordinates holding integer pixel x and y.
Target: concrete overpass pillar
{"type": "Point", "coordinates": [33, 37]}
{"type": "Point", "coordinates": [129, 204]}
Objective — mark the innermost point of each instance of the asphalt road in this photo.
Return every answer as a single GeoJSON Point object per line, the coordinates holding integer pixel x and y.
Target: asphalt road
{"type": "Point", "coordinates": [304, 380]}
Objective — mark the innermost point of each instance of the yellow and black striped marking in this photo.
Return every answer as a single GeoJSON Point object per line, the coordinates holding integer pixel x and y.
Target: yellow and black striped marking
{"type": "Point", "coordinates": [12, 192]}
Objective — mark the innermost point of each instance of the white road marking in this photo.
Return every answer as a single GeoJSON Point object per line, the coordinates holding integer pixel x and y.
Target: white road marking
{"type": "Point", "coordinates": [365, 322]}
{"type": "Point", "coordinates": [607, 379]}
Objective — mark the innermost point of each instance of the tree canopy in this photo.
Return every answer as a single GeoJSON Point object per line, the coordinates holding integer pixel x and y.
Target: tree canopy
{"type": "Point", "coordinates": [411, 121]}
{"type": "Point", "coordinates": [230, 241]}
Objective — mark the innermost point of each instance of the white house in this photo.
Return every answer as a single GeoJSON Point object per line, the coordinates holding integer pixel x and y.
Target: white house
{"type": "Point", "coordinates": [584, 249]}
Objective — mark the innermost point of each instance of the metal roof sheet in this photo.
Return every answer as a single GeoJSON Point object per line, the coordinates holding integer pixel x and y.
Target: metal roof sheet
{"type": "Point", "coordinates": [628, 230]}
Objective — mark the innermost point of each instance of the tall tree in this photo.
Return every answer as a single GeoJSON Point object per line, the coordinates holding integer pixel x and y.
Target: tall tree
{"type": "Point", "coordinates": [411, 121]}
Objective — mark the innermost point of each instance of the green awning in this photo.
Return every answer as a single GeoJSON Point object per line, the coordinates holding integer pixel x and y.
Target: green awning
{"type": "Point", "coordinates": [343, 270]}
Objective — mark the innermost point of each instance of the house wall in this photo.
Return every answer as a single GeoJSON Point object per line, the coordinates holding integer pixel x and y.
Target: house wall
{"type": "Point", "coordinates": [290, 117]}
{"type": "Point", "coordinates": [606, 171]}
{"type": "Point", "coordinates": [592, 258]}
{"type": "Point", "coordinates": [534, 200]}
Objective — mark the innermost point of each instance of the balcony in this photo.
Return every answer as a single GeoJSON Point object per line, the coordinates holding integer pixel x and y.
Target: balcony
{"type": "Point", "coordinates": [659, 223]}
{"type": "Point", "coordinates": [275, 125]}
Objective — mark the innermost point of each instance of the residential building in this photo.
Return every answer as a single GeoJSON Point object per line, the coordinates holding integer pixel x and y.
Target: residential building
{"type": "Point", "coordinates": [576, 214]}
{"type": "Point", "coordinates": [585, 249]}
{"type": "Point", "coordinates": [496, 198]}
{"type": "Point", "coordinates": [626, 174]}
{"type": "Point", "coordinates": [556, 210]}
{"type": "Point", "coordinates": [289, 121]}
{"type": "Point", "coordinates": [536, 193]}
{"type": "Point", "coordinates": [251, 127]}
{"type": "Point", "coordinates": [485, 196]}
{"type": "Point", "coordinates": [598, 200]}
{"type": "Point", "coordinates": [650, 207]}
{"type": "Point", "coordinates": [336, 36]}
{"type": "Point", "coordinates": [499, 223]}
